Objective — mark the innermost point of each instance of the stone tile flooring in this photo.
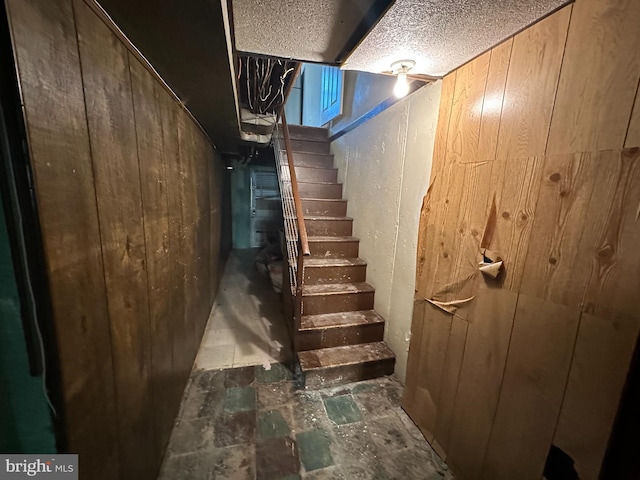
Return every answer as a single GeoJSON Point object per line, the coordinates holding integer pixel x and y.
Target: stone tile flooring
{"type": "Point", "coordinates": [248, 422]}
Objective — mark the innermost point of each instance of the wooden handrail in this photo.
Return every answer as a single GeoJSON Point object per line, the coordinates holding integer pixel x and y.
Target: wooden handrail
{"type": "Point", "coordinates": [302, 230]}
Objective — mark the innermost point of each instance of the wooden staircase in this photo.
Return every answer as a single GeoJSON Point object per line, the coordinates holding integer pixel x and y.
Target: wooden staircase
{"type": "Point", "coordinates": [340, 339]}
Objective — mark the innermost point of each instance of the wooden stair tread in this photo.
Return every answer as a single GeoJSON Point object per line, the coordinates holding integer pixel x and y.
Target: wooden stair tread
{"type": "Point", "coordinates": [333, 262]}
{"type": "Point", "coordinates": [342, 319]}
{"type": "Point", "coordinates": [325, 238]}
{"type": "Point", "coordinates": [315, 199]}
{"type": "Point", "coordinates": [336, 289]}
{"type": "Point", "coordinates": [320, 217]}
{"type": "Point", "coordinates": [321, 183]}
{"type": "Point", "coordinates": [343, 356]}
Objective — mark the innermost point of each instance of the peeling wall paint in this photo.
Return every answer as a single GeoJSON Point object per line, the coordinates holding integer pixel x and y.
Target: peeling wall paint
{"type": "Point", "coordinates": [384, 166]}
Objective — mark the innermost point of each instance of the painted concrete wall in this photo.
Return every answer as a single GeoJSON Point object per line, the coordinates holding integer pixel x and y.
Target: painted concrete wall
{"type": "Point", "coordinates": [362, 92]}
{"type": "Point", "coordinates": [25, 423]}
{"type": "Point", "coordinates": [384, 165]}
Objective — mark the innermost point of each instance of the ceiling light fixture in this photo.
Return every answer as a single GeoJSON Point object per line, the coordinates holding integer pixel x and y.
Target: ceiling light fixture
{"type": "Point", "coordinates": [400, 69]}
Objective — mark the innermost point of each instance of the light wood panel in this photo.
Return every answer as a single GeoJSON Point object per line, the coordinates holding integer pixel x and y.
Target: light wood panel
{"type": "Point", "coordinates": [516, 213]}
{"type": "Point", "coordinates": [61, 161]}
{"type": "Point", "coordinates": [599, 77]}
{"type": "Point", "coordinates": [107, 86]}
{"type": "Point", "coordinates": [566, 227]}
{"type": "Point", "coordinates": [490, 322]}
{"type": "Point", "coordinates": [153, 183]}
{"type": "Point", "coordinates": [433, 352]}
{"type": "Point", "coordinates": [449, 385]}
{"type": "Point", "coordinates": [444, 116]}
{"type": "Point", "coordinates": [531, 85]}
{"type": "Point", "coordinates": [466, 110]}
{"type": "Point", "coordinates": [612, 237]}
{"type": "Point", "coordinates": [602, 354]}
{"type": "Point", "coordinates": [534, 380]}
{"type": "Point", "coordinates": [492, 101]}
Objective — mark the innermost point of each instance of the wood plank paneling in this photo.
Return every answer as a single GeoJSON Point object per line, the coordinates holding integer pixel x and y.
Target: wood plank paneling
{"type": "Point", "coordinates": [444, 116]}
{"type": "Point", "coordinates": [531, 85]}
{"type": "Point", "coordinates": [567, 184]}
{"type": "Point", "coordinates": [433, 353]}
{"type": "Point", "coordinates": [61, 161]}
{"type": "Point", "coordinates": [131, 279]}
{"type": "Point", "coordinates": [466, 110]}
{"type": "Point", "coordinates": [633, 132]}
{"type": "Point", "coordinates": [599, 77]}
{"type": "Point", "coordinates": [175, 193]}
{"type": "Point", "coordinates": [492, 101]}
{"type": "Point", "coordinates": [153, 183]}
{"type": "Point", "coordinates": [534, 381]}
{"type": "Point", "coordinates": [516, 213]}
{"type": "Point", "coordinates": [612, 236]}
{"type": "Point", "coordinates": [449, 387]}
{"type": "Point", "coordinates": [603, 351]}
{"type": "Point", "coordinates": [413, 361]}
{"type": "Point", "coordinates": [107, 86]}
{"type": "Point", "coordinates": [566, 227]}
{"type": "Point", "coordinates": [490, 322]}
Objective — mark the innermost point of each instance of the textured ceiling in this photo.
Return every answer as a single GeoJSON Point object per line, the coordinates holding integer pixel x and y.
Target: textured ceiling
{"type": "Point", "coordinates": [310, 30]}
{"type": "Point", "coordinates": [442, 35]}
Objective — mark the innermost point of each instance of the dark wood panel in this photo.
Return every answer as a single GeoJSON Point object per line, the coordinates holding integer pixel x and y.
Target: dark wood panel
{"type": "Point", "coordinates": [156, 231]}
{"type": "Point", "coordinates": [107, 86]}
{"type": "Point", "coordinates": [600, 74]}
{"type": "Point", "coordinates": [633, 132]}
{"type": "Point", "coordinates": [534, 381]}
{"type": "Point", "coordinates": [187, 184]}
{"type": "Point", "coordinates": [169, 110]}
{"type": "Point", "coordinates": [60, 155]}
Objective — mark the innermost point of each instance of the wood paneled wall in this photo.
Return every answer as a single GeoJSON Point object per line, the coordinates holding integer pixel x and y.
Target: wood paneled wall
{"type": "Point", "coordinates": [536, 159]}
{"type": "Point", "coordinates": [130, 194]}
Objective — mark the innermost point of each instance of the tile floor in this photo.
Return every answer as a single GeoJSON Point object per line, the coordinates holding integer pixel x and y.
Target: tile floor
{"type": "Point", "coordinates": [246, 423]}
{"type": "Point", "coordinates": [246, 326]}
{"type": "Point", "coordinates": [245, 416]}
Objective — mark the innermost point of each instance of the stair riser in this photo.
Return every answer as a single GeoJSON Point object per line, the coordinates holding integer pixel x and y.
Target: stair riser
{"type": "Point", "coordinates": [345, 302]}
{"type": "Point", "coordinates": [340, 228]}
{"type": "Point", "coordinates": [318, 190]}
{"type": "Point", "coordinates": [314, 160]}
{"type": "Point", "coordinates": [328, 209]}
{"type": "Point", "coordinates": [297, 132]}
{"type": "Point", "coordinates": [309, 146]}
{"type": "Point", "coordinates": [347, 374]}
{"type": "Point", "coordinates": [338, 274]}
{"type": "Point", "coordinates": [334, 249]}
{"type": "Point", "coordinates": [329, 175]}
{"type": "Point", "coordinates": [339, 336]}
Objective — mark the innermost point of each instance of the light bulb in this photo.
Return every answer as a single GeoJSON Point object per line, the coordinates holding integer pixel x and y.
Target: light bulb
{"type": "Point", "coordinates": [402, 85]}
